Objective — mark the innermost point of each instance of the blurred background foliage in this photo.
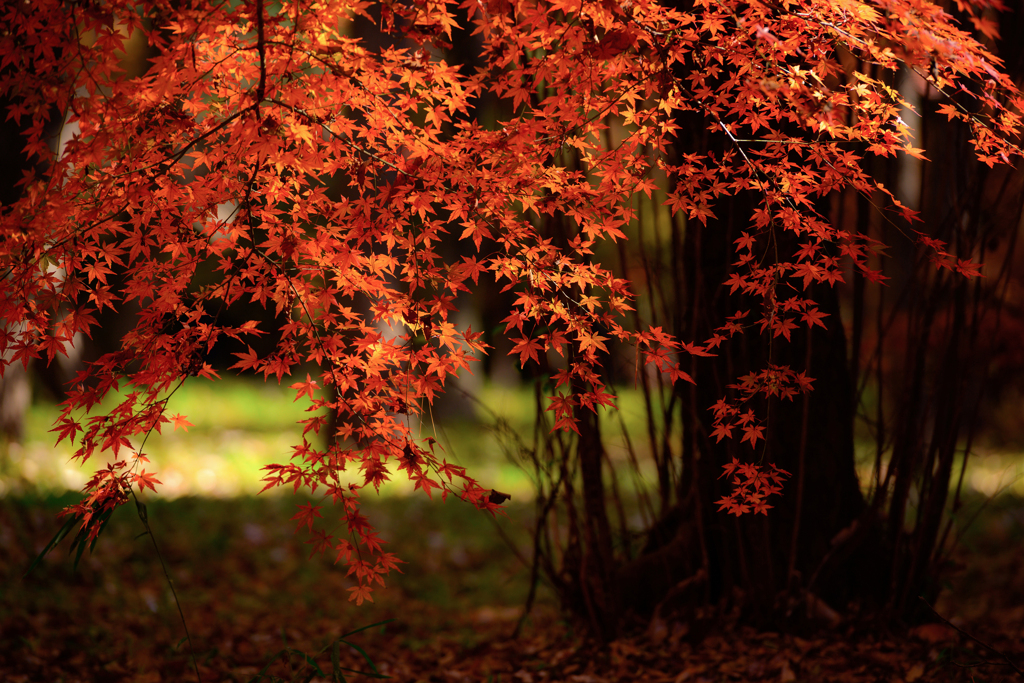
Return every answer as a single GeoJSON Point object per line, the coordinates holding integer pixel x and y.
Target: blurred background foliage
{"type": "Point", "coordinates": [241, 424]}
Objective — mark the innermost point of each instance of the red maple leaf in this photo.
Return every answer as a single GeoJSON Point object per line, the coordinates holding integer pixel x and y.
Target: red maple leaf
{"type": "Point", "coordinates": [144, 479]}
{"type": "Point", "coordinates": [306, 515]}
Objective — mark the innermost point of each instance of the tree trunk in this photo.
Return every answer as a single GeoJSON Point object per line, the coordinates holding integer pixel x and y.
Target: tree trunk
{"type": "Point", "coordinates": [799, 546]}
{"type": "Point", "coordinates": [810, 437]}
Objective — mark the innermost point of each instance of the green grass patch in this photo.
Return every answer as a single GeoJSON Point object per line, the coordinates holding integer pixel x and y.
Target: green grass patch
{"type": "Point", "coordinates": [241, 425]}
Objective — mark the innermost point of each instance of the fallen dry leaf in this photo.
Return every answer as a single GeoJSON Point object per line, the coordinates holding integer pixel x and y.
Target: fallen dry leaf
{"type": "Point", "coordinates": [915, 672]}
{"type": "Point", "coordinates": [689, 672]}
{"type": "Point", "coordinates": [934, 633]}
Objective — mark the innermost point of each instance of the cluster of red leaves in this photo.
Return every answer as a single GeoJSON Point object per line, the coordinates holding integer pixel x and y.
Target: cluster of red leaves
{"type": "Point", "coordinates": [778, 381]}
{"type": "Point", "coordinates": [331, 182]}
{"type": "Point", "coordinates": [752, 485]}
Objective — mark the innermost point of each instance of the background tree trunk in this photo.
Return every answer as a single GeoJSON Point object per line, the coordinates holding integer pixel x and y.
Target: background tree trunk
{"type": "Point", "coordinates": [811, 437]}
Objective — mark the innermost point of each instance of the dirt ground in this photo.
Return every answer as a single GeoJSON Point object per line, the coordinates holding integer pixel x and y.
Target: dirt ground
{"type": "Point", "coordinates": [249, 592]}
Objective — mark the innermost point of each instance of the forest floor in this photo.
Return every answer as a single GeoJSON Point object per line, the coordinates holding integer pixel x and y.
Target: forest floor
{"type": "Point", "coordinates": [248, 592]}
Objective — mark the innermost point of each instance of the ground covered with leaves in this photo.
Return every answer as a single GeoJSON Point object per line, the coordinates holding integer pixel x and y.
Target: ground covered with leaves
{"type": "Point", "coordinates": [249, 593]}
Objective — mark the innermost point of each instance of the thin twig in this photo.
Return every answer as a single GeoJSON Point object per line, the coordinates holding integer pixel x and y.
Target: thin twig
{"type": "Point", "coordinates": [985, 645]}
{"type": "Point", "coordinates": [170, 582]}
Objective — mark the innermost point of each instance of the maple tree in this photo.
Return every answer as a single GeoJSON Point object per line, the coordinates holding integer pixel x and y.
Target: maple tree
{"type": "Point", "coordinates": [266, 155]}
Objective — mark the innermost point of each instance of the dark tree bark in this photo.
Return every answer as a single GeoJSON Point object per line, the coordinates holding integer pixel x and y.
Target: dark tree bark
{"type": "Point", "coordinates": [811, 437]}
